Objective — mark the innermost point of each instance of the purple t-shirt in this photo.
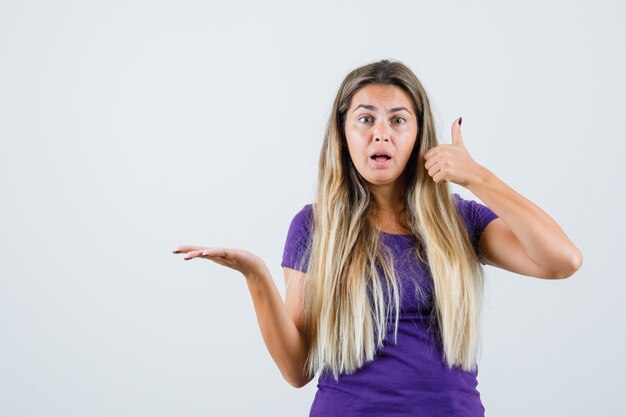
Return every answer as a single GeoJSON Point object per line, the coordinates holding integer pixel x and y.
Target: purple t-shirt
{"type": "Point", "coordinates": [409, 378]}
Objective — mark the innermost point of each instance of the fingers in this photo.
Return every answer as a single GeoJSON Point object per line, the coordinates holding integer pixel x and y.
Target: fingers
{"type": "Point", "coordinates": [214, 252]}
{"type": "Point", "coordinates": [193, 254]}
{"type": "Point", "coordinates": [185, 249]}
{"type": "Point", "coordinates": [435, 167]}
{"type": "Point", "coordinates": [200, 251]}
{"type": "Point", "coordinates": [439, 177]}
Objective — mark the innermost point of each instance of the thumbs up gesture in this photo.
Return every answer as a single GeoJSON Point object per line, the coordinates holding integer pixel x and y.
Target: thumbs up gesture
{"type": "Point", "coordinates": [452, 162]}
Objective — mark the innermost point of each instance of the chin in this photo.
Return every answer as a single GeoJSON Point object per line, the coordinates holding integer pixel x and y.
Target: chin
{"type": "Point", "coordinates": [380, 181]}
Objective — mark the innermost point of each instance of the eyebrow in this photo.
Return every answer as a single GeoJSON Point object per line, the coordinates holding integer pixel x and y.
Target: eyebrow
{"type": "Point", "coordinates": [370, 107]}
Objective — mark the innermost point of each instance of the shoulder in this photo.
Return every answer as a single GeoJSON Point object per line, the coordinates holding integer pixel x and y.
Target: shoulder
{"type": "Point", "coordinates": [476, 217]}
{"type": "Point", "coordinates": [305, 214]}
{"type": "Point", "coordinates": [473, 211]}
{"type": "Point", "coordinates": [301, 223]}
{"type": "Point", "coordinates": [295, 253]}
{"type": "Point", "coordinates": [460, 201]}
{"type": "Point", "coordinates": [303, 219]}
{"type": "Point", "coordinates": [463, 206]}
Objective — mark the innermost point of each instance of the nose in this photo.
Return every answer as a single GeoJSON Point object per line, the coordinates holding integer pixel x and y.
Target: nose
{"type": "Point", "coordinates": [381, 132]}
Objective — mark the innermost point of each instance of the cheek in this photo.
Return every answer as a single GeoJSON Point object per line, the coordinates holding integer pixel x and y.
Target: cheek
{"type": "Point", "coordinates": [350, 146]}
{"type": "Point", "coordinates": [406, 152]}
{"type": "Point", "coordinates": [353, 153]}
{"type": "Point", "coordinates": [411, 142]}
{"type": "Point", "coordinates": [355, 144]}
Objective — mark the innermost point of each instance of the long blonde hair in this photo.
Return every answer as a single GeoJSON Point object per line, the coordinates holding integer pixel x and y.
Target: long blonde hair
{"type": "Point", "coordinates": [346, 310]}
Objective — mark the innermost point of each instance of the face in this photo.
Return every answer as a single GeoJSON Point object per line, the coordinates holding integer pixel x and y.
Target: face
{"type": "Point", "coordinates": [381, 120]}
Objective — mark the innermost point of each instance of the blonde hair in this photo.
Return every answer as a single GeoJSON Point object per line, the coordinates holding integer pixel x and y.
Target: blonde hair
{"type": "Point", "coordinates": [346, 310]}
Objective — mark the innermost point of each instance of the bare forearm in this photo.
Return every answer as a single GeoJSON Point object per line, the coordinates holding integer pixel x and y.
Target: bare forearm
{"type": "Point", "coordinates": [285, 343]}
{"type": "Point", "coordinates": [542, 238]}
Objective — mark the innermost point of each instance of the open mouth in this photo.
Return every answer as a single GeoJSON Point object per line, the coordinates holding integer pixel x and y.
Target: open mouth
{"type": "Point", "coordinates": [380, 158]}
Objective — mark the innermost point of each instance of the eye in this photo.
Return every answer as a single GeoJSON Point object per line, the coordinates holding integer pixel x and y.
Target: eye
{"type": "Point", "coordinates": [400, 118]}
{"type": "Point", "coordinates": [365, 117]}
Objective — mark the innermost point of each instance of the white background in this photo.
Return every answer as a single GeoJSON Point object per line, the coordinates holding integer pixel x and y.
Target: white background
{"type": "Point", "coordinates": [131, 127]}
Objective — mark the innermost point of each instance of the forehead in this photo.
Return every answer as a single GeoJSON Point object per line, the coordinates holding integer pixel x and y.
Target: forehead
{"type": "Point", "coordinates": [381, 96]}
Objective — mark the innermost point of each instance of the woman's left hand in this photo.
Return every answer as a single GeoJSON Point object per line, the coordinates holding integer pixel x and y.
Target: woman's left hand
{"type": "Point", "coordinates": [452, 162]}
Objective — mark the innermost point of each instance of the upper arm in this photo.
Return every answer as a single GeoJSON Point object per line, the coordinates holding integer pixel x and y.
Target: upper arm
{"type": "Point", "coordinates": [294, 296]}
{"type": "Point", "coordinates": [296, 256]}
{"type": "Point", "coordinates": [499, 247]}
{"type": "Point", "coordinates": [494, 241]}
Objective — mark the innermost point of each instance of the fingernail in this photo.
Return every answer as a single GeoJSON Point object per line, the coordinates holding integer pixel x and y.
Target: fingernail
{"type": "Point", "coordinates": [176, 251]}
{"type": "Point", "coordinates": [460, 120]}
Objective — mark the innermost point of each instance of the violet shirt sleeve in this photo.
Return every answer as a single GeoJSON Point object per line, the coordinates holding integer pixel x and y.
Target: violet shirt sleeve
{"type": "Point", "coordinates": [296, 251]}
{"type": "Point", "coordinates": [476, 216]}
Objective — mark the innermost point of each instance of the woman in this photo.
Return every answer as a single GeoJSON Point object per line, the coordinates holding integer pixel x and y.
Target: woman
{"type": "Point", "coordinates": [383, 271]}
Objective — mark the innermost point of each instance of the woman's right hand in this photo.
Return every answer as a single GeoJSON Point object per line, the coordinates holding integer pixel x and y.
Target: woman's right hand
{"type": "Point", "coordinates": [240, 260]}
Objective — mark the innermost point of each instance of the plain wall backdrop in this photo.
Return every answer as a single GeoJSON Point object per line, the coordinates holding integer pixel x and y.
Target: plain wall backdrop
{"type": "Point", "coordinates": [131, 127]}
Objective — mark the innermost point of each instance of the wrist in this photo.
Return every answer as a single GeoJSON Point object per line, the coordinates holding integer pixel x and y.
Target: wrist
{"type": "Point", "coordinates": [256, 275]}
{"type": "Point", "coordinates": [480, 178]}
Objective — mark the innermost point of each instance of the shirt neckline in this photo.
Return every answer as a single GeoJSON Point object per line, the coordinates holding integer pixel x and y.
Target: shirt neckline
{"type": "Point", "coordinates": [395, 234]}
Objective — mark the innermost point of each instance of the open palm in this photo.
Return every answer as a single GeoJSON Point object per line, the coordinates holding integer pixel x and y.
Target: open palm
{"type": "Point", "coordinates": [240, 260]}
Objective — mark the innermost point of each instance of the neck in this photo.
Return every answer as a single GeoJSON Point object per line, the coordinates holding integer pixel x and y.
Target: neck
{"type": "Point", "coordinates": [390, 207]}
{"type": "Point", "coordinates": [388, 197]}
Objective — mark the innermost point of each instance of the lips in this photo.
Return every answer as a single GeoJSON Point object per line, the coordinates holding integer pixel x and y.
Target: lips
{"type": "Point", "coordinates": [380, 156]}
{"type": "Point", "coordinates": [380, 161]}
